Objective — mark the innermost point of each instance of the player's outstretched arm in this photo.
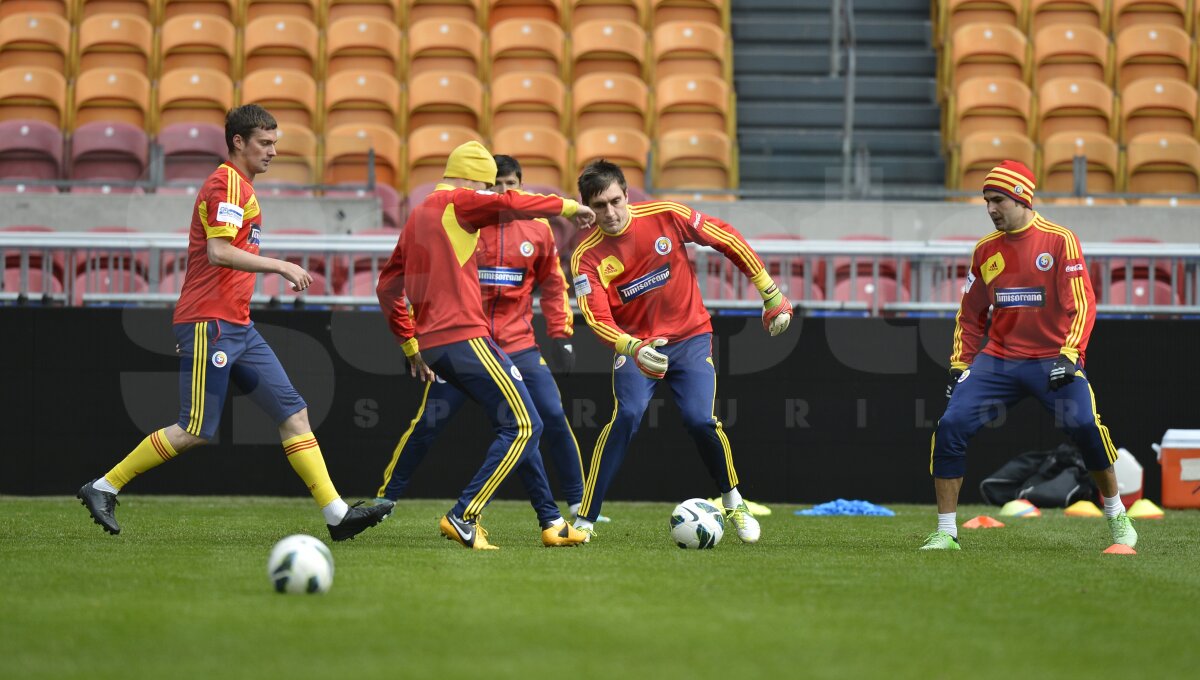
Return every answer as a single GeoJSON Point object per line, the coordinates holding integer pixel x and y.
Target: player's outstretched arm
{"type": "Point", "coordinates": [222, 253]}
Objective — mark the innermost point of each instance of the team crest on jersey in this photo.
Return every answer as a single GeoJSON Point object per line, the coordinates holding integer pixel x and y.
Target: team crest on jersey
{"type": "Point", "coordinates": [219, 359]}
{"type": "Point", "coordinates": [516, 373]}
{"type": "Point", "coordinates": [526, 248]}
{"type": "Point", "coordinates": [252, 239]}
{"type": "Point", "coordinates": [619, 362]}
{"type": "Point", "coordinates": [1044, 262]}
{"type": "Point", "coordinates": [663, 245]}
{"type": "Point", "coordinates": [644, 284]}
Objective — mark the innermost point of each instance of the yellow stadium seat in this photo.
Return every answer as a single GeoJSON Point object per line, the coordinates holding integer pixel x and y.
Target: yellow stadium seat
{"type": "Point", "coordinates": [689, 48]}
{"type": "Point", "coordinates": [290, 95]}
{"type": "Point", "coordinates": [1152, 51]}
{"type": "Point", "coordinates": [1150, 105]}
{"type": "Point", "coordinates": [694, 159]}
{"type": "Point", "coordinates": [280, 42]}
{"type": "Point", "coordinates": [531, 98]}
{"type": "Point", "coordinates": [523, 45]}
{"type": "Point", "coordinates": [145, 9]}
{"type": "Point", "coordinates": [33, 93]}
{"type": "Point", "coordinates": [296, 161]}
{"type": "Point", "coordinates": [389, 10]}
{"type": "Point", "coordinates": [503, 10]}
{"type": "Point", "coordinates": [1043, 13]}
{"type": "Point", "coordinates": [40, 39]}
{"type": "Point", "coordinates": [1075, 105]}
{"type": "Point", "coordinates": [610, 100]}
{"type": "Point", "coordinates": [467, 10]}
{"type": "Point", "coordinates": [363, 44]}
{"type": "Point", "coordinates": [634, 11]}
{"type": "Point", "coordinates": [697, 102]}
{"type": "Point", "coordinates": [59, 8]}
{"type": "Point", "coordinates": [990, 105]}
{"type": "Point", "coordinates": [444, 45]}
{"type": "Point", "coordinates": [603, 45]}
{"type": "Point", "coordinates": [112, 95]}
{"type": "Point", "coordinates": [116, 41]}
{"type": "Point", "coordinates": [1071, 51]}
{"type": "Point", "coordinates": [1058, 154]}
{"type": "Point", "coordinates": [954, 14]}
{"type": "Point", "coordinates": [445, 98]}
{"type": "Point", "coordinates": [988, 50]}
{"type": "Point", "coordinates": [628, 148]}
{"type": "Point", "coordinates": [194, 96]}
{"type": "Point", "coordinates": [194, 41]}
{"type": "Point", "coordinates": [542, 151]}
{"type": "Point", "coordinates": [362, 97]}
{"type": "Point", "coordinates": [346, 149]}
{"type": "Point", "coordinates": [428, 149]}
{"type": "Point", "coordinates": [1163, 163]}
{"type": "Point", "coordinates": [226, 9]}
{"type": "Point", "coordinates": [977, 154]}
{"type": "Point", "coordinates": [1126, 13]}
{"type": "Point", "coordinates": [309, 10]}
{"type": "Point", "coordinates": [703, 11]}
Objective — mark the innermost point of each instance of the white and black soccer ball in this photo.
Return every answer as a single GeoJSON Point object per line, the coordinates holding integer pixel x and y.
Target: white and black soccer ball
{"type": "Point", "coordinates": [697, 524]}
{"type": "Point", "coordinates": [300, 564]}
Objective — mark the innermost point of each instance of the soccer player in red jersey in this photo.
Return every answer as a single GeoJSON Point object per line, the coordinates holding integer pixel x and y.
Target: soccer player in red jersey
{"type": "Point", "coordinates": [1030, 273]}
{"type": "Point", "coordinates": [637, 290]}
{"type": "Point", "coordinates": [219, 343]}
{"type": "Point", "coordinates": [434, 268]}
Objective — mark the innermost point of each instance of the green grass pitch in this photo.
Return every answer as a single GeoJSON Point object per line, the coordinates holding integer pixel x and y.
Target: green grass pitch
{"type": "Point", "coordinates": [183, 593]}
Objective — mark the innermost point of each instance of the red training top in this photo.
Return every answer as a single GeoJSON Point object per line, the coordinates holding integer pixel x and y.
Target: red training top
{"type": "Point", "coordinates": [512, 259]}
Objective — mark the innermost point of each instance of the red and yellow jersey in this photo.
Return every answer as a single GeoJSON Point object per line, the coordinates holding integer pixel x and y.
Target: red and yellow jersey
{"type": "Point", "coordinates": [1037, 286]}
{"type": "Point", "coordinates": [642, 282]}
{"type": "Point", "coordinates": [434, 269]}
{"type": "Point", "coordinates": [512, 259]}
{"type": "Point", "coordinates": [226, 207]}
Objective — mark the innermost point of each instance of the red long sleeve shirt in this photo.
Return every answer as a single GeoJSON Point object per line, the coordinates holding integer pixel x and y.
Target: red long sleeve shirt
{"type": "Point", "coordinates": [512, 259]}
{"type": "Point", "coordinates": [642, 282]}
{"type": "Point", "coordinates": [1037, 286]}
{"type": "Point", "coordinates": [433, 267]}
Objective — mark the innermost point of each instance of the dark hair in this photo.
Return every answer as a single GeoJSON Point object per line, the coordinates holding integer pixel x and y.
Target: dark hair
{"type": "Point", "coordinates": [598, 176]}
{"type": "Point", "coordinates": [244, 120]}
{"type": "Point", "coordinates": [507, 165]}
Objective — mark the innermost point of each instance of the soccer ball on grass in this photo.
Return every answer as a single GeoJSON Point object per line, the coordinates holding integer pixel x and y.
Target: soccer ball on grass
{"type": "Point", "coordinates": [300, 564]}
{"type": "Point", "coordinates": [697, 524]}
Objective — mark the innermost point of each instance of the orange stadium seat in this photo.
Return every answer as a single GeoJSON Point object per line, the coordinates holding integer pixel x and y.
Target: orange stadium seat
{"type": "Point", "coordinates": [1058, 153]}
{"type": "Point", "coordinates": [60, 8]}
{"type": "Point", "coordinates": [524, 45]}
{"type": "Point", "coordinates": [542, 151]}
{"type": "Point", "coordinates": [698, 102]}
{"type": "Point", "coordinates": [694, 159]}
{"type": "Point", "coordinates": [225, 9]}
{"type": "Point", "coordinates": [503, 10]}
{"type": "Point", "coordinates": [1073, 52]}
{"type": "Point", "coordinates": [296, 161]}
{"type": "Point", "coordinates": [954, 14]}
{"type": "Point", "coordinates": [627, 147]}
{"type": "Point", "coordinates": [363, 44]}
{"type": "Point", "coordinates": [116, 41]}
{"type": "Point", "coordinates": [428, 149]}
{"type": "Point", "coordinates": [980, 152]}
{"type": "Point", "coordinates": [346, 149]}
{"type": "Point", "coordinates": [444, 98]}
{"type": "Point", "coordinates": [467, 10]}
{"type": "Point", "coordinates": [119, 95]}
{"type": "Point", "coordinates": [144, 9]}
{"type": "Point", "coordinates": [634, 11]}
{"type": "Point", "coordinates": [40, 39]}
{"type": "Point", "coordinates": [309, 10]}
{"type": "Point", "coordinates": [1150, 105]}
{"type": "Point", "coordinates": [194, 41]}
{"type": "Point", "coordinates": [191, 151]}
{"type": "Point", "coordinates": [33, 93]}
{"type": "Point", "coordinates": [194, 96]}
{"type": "Point", "coordinates": [988, 50]}
{"type": "Point", "coordinates": [691, 48]}
{"type": "Point", "coordinates": [1163, 163]}
{"type": "Point", "coordinates": [444, 45]}
{"type": "Point", "coordinates": [116, 152]}
{"type": "Point", "coordinates": [1126, 13]}
{"type": "Point", "coordinates": [531, 98]}
{"type": "Point", "coordinates": [382, 9]}
{"type": "Point", "coordinates": [354, 98]}
{"type": "Point", "coordinates": [990, 105]}
{"type": "Point", "coordinates": [1075, 105]}
{"type": "Point", "coordinates": [702, 11]}
{"type": "Point", "coordinates": [611, 101]}
{"type": "Point", "coordinates": [1152, 51]}
{"type": "Point", "coordinates": [278, 41]}
{"type": "Point", "coordinates": [30, 149]}
{"type": "Point", "coordinates": [604, 45]}
{"type": "Point", "coordinates": [290, 95]}
{"type": "Point", "coordinates": [1043, 13]}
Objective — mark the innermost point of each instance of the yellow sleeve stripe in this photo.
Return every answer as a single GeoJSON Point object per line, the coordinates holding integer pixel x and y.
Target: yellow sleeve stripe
{"type": "Point", "coordinates": [569, 322]}
{"type": "Point", "coordinates": [1078, 290]}
{"type": "Point", "coordinates": [605, 331]}
{"type": "Point", "coordinates": [743, 251]}
{"type": "Point", "coordinates": [956, 353]}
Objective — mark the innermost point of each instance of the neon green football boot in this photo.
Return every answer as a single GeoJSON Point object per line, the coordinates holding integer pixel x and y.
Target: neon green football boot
{"type": "Point", "coordinates": [1122, 530]}
{"type": "Point", "coordinates": [940, 540]}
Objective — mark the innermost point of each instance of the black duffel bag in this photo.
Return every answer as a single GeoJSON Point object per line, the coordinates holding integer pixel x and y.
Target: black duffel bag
{"type": "Point", "coordinates": [1048, 479]}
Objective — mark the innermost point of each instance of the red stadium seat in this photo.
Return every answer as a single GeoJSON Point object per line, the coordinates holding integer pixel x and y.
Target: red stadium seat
{"type": "Point", "coordinates": [30, 149]}
{"type": "Point", "coordinates": [363, 284]}
{"type": "Point", "coordinates": [113, 152]}
{"type": "Point", "coordinates": [12, 258]}
{"type": "Point", "coordinates": [38, 282]}
{"type": "Point", "coordinates": [191, 152]}
{"type": "Point", "coordinates": [863, 289]}
{"type": "Point", "coordinates": [1141, 292]}
{"type": "Point", "coordinates": [106, 280]}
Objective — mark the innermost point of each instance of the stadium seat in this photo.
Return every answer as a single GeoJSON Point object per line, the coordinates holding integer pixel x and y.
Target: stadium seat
{"type": "Point", "coordinates": [191, 151]}
{"type": "Point", "coordinates": [991, 51]}
{"type": "Point", "coordinates": [60, 8]}
{"type": "Point", "coordinates": [505, 10]}
{"type": "Point", "coordinates": [36, 258]}
{"type": "Point", "coordinates": [690, 48]}
{"type": "Point", "coordinates": [605, 45]}
{"type": "Point", "coordinates": [296, 159]}
{"type": "Point", "coordinates": [364, 43]}
{"type": "Point", "coordinates": [346, 149]}
{"type": "Point", "coordinates": [107, 281]}
{"type": "Point", "coordinates": [102, 151]}
{"type": "Point", "coordinates": [1152, 51]}
{"type": "Point", "coordinates": [331, 270]}
{"type": "Point", "coordinates": [953, 14]}
{"type": "Point", "coordinates": [33, 93]}
{"type": "Point", "coordinates": [388, 10]}
{"type": "Point", "coordinates": [696, 102]}
{"type": "Point", "coordinates": [290, 95]}
{"type": "Point", "coordinates": [22, 188]}
{"type": "Point", "coordinates": [696, 11]}
{"type": "Point", "coordinates": [389, 202]}
{"type": "Point", "coordinates": [118, 95]}
{"type": "Point", "coordinates": [990, 105]}
{"type": "Point", "coordinates": [278, 288]}
{"type": "Point", "coordinates": [363, 283]}
{"type": "Point", "coordinates": [634, 11]}
{"type": "Point", "coordinates": [131, 259]}
{"type": "Point", "coordinates": [197, 41]}
{"type": "Point", "coordinates": [1141, 292]}
{"type": "Point", "coordinates": [196, 96]}
{"type": "Point", "coordinates": [308, 10]}
{"type": "Point", "coordinates": [466, 10]}
{"type": "Point", "coordinates": [428, 149]}
{"type": "Point", "coordinates": [1079, 52]}
{"type": "Point", "coordinates": [1151, 105]}
{"type": "Point", "coordinates": [978, 153]}
{"type": "Point", "coordinates": [358, 97]}
{"type": "Point", "coordinates": [611, 101]}
{"type": "Point", "coordinates": [694, 159]}
{"type": "Point", "coordinates": [30, 149]}
{"type": "Point", "coordinates": [143, 9]}
{"type": "Point", "coordinates": [1059, 151]}
{"type": "Point", "coordinates": [37, 282]}
{"type": "Point", "coordinates": [444, 98]}
{"type": "Point", "coordinates": [40, 39]}
{"type": "Point", "coordinates": [524, 45]}
{"type": "Point", "coordinates": [277, 42]}
{"type": "Point", "coordinates": [1136, 268]}
{"type": "Point", "coordinates": [542, 152]}
{"type": "Point", "coordinates": [116, 41]}
{"type": "Point", "coordinates": [417, 193]}
{"type": "Point", "coordinates": [865, 289]}
{"type": "Point", "coordinates": [444, 45]}
{"type": "Point", "coordinates": [627, 147]}
{"type": "Point", "coordinates": [948, 289]}
{"type": "Point", "coordinates": [1043, 13]}
{"type": "Point", "coordinates": [529, 98]}
{"type": "Point", "coordinates": [1163, 163]}
{"type": "Point", "coordinates": [1075, 105]}
{"type": "Point", "coordinates": [1126, 13]}
{"type": "Point", "coordinates": [224, 9]}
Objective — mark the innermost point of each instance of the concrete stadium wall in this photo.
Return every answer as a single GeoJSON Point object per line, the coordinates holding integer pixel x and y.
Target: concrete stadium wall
{"type": "Point", "coordinates": [838, 407]}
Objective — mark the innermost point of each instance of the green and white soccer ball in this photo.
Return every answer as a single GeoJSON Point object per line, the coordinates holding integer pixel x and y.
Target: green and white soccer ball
{"type": "Point", "coordinates": [697, 524]}
{"type": "Point", "coordinates": [300, 564]}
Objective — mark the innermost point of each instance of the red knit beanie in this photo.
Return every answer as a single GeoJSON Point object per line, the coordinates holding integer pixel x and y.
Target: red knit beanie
{"type": "Point", "coordinates": [1014, 180]}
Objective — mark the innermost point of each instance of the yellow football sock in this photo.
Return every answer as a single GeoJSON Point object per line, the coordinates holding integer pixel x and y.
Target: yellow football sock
{"type": "Point", "coordinates": [152, 452]}
{"type": "Point", "coordinates": [304, 454]}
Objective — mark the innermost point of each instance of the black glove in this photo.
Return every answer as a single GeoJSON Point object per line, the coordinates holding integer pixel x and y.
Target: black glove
{"type": "Point", "coordinates": [1062, 372]}
{"type": "Point", "coordinates": [955, 374]}
{"type": "Point", "coordinates": [561, 356]}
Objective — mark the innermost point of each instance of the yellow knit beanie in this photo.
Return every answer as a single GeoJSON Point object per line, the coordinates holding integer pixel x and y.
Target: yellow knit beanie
{"type": "Point", "coordinates": [471, 161]}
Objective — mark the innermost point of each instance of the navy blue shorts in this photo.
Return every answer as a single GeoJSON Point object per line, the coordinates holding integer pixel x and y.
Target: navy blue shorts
{"type": "Point", "coordinates": [213, 352]}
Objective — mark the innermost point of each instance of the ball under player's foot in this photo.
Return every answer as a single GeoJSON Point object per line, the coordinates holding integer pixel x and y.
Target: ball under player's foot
{"type": "Point", "coordinates": [359, 518]}
{"type": "Point", "coordinates": [562, 534]}
{"type": "Point", "coordinates": [940, 540]}
{"type": "Point", "coordinates": [1122, 530]}
{"type": "Point", "coordinates": [467, 533]}
{"type": "Point", "coordinates": [102, 505]}
{"type": "Point", "coordinates": [747, 528]}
